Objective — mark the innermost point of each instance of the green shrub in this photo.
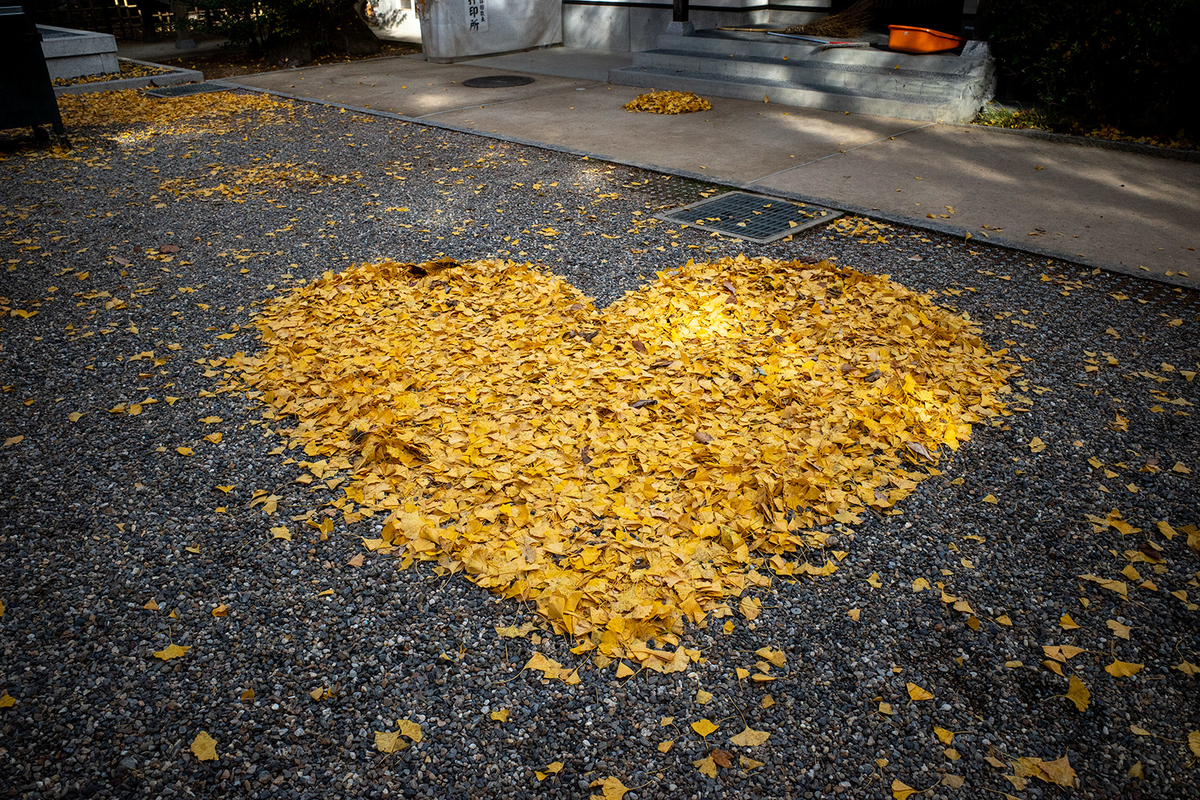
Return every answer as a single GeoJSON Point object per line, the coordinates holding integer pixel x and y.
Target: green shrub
{"type": "Point", "coordinates": [1105, 61]}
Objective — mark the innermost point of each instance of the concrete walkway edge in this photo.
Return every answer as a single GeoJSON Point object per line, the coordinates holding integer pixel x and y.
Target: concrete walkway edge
{"type": "Point", "coordinates": [933, 226]}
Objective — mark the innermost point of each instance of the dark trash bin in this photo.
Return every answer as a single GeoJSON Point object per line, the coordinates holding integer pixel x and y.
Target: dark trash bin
{"type": "Point", "coordinates": [26, 93]}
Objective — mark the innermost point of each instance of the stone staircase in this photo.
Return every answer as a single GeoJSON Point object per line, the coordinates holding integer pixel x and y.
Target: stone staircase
{"type": "Point", "coordinates": [866, 80]}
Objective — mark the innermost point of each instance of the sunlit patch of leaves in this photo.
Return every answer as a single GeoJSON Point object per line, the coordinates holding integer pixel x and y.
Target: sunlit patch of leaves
{"type": "Point", "coordinates": [626, 471]}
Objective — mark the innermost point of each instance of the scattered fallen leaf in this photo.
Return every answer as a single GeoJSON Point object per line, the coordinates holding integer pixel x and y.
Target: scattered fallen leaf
{"type": "Point", "coordinates": [1123, 669]}
{"type": "Point", "coordinates": [706, 766]}
{"type": "Point", "coordinates": [916, 693]}
{"type": "Point", "coordinates": [1119, 630]}
{"type": "Point", "coordinates": [171, 651]}
{"type": "Point", "coordinates": [410, 729]}
{"type": "Point", "coordinates": [612, 788]}
{"type": "Point", "coordinates": [204, 747]}
{"type": "Point", "coordinates": [389, 741]}
{"type": "Point", "coordinates": [1078, 694]}
{"type": "Point", "coordinates": [750, 737]}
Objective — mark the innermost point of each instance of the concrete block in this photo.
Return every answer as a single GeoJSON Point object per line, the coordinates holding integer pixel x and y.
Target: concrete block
{"type": "Point", "coordinates": [596, 27]}
{"type": "Point", "coordinates": [65, 42]}
{"type": "Point", "coordinates": [452, 32]}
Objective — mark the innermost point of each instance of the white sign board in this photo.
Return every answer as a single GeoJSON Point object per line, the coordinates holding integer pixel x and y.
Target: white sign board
{"type": "Point", "coordinates": [477, 16]}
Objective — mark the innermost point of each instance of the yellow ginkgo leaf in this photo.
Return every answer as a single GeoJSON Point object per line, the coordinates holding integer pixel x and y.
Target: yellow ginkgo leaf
{"type": "Point", "coordinates": [1123, 669]}
{"type": "Point", "coordinates": [500, 715]}
{"type": "Point", "coordinates": [750, 737]}
{"type": "Point", "coordinates": [410, 729]}
{"type": "Point", "coordinates": [611, 788]}
{"type": "Point", "coordinates": [1067, 624]}
{"type": "Point", "coordinates": [7, 700]}
{"type": "Point", "coordinates": [171, 651]}
{"type": "Point", "coordinates": [916, 693]}
{"type": "Point", "coordinates": [623, 670]}
{"type": "Point", "coordinates": [665, 747]}
{"type": "Point", "coordinates": [1119, 630]}
{"type": "Point", "coordinates": [703, 697]}
{"type": "Point", "coordinates": [204, 747]}
{"type": "Point", "coordinates": [389, 741]}
{"type": "Point", "coordinates": [901, 790]}
{"type": "Point", "coordinates": [1058, 772]}
{"type": "Point", "coordinates": [944, 736]}
{"type": "Point", "coordinates": [1078, 694]}
{"type": "Point", "coordinates": [704, 727]}
{"type": "Point", "coordinates": [776, 657]}
{"type": "Point", "coordinates": [706, 766]}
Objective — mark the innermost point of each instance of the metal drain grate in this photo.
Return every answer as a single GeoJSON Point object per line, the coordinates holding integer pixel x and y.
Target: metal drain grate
{"type": "Point", "coordinates": [752, 217]}
{"type": "Point", "coordinates": [185, 89]}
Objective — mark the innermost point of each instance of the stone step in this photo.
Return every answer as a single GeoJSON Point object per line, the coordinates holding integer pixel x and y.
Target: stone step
{"type": "Point", "coordinates": [727, 44]}
{"type": "Point", "coordinates": [921, 86]}
{"type": "Point", "coordinates": [860, 80]}
{"type": "Point", "coordinates": [794, 95]}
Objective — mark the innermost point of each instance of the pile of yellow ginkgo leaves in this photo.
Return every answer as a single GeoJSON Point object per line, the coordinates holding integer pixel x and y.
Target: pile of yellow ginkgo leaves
{"type": "Point", "coordinates": [668, 103]}
{"type": "Point", "coordinates": [630, 469]}
{"type": "Point", "coordinates": [212, 112]}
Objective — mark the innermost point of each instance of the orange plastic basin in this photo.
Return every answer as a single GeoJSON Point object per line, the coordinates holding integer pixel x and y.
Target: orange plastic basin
{"type": "Point", "coordinates": [920, 40]}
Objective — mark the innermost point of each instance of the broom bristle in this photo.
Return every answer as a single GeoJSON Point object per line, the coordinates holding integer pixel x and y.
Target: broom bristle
{"type": "Point", "coordinates": [851, 22]}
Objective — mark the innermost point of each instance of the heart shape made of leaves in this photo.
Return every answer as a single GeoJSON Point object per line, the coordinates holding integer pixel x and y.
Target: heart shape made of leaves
{"type": "Point", "coordinates": [630, 469]}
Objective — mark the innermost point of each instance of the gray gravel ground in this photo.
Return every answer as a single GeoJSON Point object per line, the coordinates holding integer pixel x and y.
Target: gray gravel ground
{"type": "Point", "coordinates": [101, 515]}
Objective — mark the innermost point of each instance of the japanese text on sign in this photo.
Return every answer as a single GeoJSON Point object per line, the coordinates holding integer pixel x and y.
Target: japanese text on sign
{"type": "Point", "coordinates": [476, 15]}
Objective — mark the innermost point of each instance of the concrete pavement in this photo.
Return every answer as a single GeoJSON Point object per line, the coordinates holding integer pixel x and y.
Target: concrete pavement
{"type": "Point", "coordinates": [1124, 211]}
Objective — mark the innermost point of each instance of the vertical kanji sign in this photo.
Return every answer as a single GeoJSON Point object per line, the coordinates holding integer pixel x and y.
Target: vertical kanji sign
{"type": "Point", "coordinates": [476, 16]}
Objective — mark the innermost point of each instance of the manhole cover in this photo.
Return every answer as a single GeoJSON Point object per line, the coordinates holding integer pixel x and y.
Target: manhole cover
{"type": "Point", "coordinates": [752, 217]}
{"type": "Point", "coordinates": [185, 89]}
{"type": "Point", "coordinates": [497, 81]}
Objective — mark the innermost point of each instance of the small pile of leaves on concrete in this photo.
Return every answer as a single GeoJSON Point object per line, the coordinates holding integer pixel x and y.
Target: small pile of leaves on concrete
{"type": "Point", "coordinates": [668, 103]}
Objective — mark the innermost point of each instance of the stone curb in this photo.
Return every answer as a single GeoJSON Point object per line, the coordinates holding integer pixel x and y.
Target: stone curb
{"type": "Point", "coordinates": [1151, 150]}
{"type": "Point", "coordinates": [173, 78]}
